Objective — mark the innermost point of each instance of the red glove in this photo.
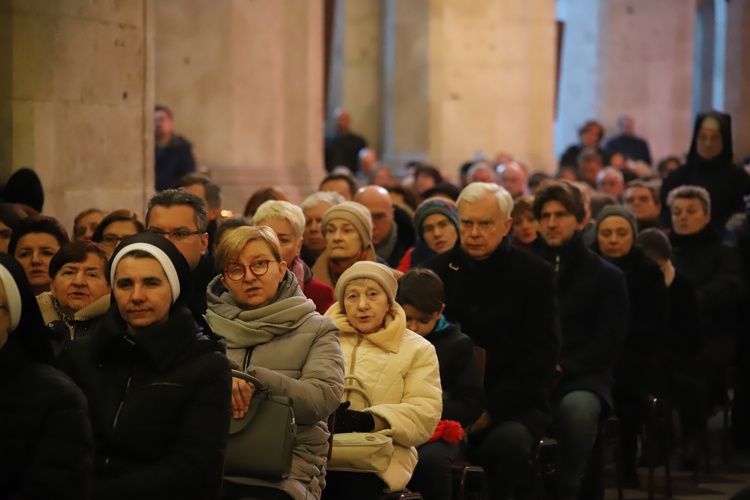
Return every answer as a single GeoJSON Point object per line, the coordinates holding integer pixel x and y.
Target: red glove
{"type": "Point", "coordinates": [449, 431]}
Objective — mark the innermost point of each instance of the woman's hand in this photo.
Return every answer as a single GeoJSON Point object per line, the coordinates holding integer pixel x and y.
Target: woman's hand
{"type": "Point", "coordinates": [242, 393]}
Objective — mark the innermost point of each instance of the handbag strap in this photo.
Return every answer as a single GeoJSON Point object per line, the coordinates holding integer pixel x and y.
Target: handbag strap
{"type": "Point", "coordinates": [259, 386]}
{"type": "Point", "coordinates": [352, 383]}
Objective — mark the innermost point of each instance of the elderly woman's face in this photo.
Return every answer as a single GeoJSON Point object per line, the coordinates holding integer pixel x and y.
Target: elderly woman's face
{"type": "Point", "coordinates": [261, 279]}
{"type": "Point", "coordinates": [615, 237]}
{"type": "Point", "coordinates": [4, 316]}
{"type": "Point", "coordinates": [366, 305]}
{"type": "Point", "coordinates": [142, 291]}
{"type": "Point", "coordinates": [439, 233]}
{"type": "Point", "coordinates": [78, 284]}
{"type": "Point", "coordinates": [34, 251]}
{"type": "Point", "coordinates": [342, 239]}
{"type": "Point", "coordinates": [290, 243]}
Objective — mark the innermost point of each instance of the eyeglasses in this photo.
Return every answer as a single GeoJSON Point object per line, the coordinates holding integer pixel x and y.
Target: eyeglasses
{"type": "Point", "coordinates": [111, 240]}
{"type": "Point", "coordinates": [176, 235]}
{"type": "Point", "coordinates": [237, 272]}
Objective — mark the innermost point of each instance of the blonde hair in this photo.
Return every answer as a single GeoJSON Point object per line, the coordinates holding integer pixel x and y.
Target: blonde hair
{"type": "Point", "coordinates": [281, 210]}
{"type": "Point", "coordinates": [236, 240]}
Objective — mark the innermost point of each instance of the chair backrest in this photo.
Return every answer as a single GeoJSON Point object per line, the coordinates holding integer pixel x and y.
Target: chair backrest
{"type": "Point", "coordinates": [481, 359]}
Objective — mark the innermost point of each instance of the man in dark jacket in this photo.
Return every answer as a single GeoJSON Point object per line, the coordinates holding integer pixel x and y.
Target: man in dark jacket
{"type": "Point", "coordinates": [173, 155]}
{"type": "Point", "coordinates": [504, 299]}
{"type": "Point", "coordinates": [593, 305]}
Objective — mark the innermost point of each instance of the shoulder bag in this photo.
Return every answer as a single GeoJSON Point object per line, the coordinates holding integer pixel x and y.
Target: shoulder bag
{"type": "Point", "coordinates": [260, 443]}
{"type": "Point", "coordinates": [360, 451]}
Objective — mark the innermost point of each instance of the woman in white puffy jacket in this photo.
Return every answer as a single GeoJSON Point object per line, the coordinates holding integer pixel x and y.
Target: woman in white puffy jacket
{"type": "Point", "coordinates": [397, 368]}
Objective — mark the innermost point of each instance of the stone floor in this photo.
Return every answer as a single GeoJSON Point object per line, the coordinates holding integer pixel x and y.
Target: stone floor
{"type": "Point", "coordinates": [720, 482]}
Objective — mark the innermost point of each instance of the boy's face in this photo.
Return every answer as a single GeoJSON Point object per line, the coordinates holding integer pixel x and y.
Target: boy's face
{"type": "Point", "coordinates": [421, 322]}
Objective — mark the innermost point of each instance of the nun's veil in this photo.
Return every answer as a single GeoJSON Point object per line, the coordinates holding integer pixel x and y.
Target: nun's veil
{"type": "Point", "coordinates": [29, 333]}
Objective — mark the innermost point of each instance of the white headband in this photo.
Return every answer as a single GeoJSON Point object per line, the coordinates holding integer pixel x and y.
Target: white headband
{"type": "Point", "coordinates": [159, 255]}
{"type": "Point", "coordinates": [13, 295]}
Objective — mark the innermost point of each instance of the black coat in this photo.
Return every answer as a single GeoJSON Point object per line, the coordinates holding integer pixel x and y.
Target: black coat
{"type": "Point", "coordinates": [46, 447]}
{"type": "Point", "coordinates": [160, 407]}
{"type": "Point", "coordinates": [593, 303]}
{"type": "Point", "coordinates": [405, 236]}
{"type": "Point", "coordinates": [647, 319]}
{"type": "Point", "coordinates": [506, 304]}
{"type": "Point", "coordinates": [459, 375]}
{"type": "Point", "coordinates": [725, 182]}
{"type": "Point", "coordinates": [172, 162]}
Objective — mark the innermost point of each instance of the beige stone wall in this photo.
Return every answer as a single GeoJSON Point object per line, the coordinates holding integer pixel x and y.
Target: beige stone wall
{"type": "Point", "coordinates": [645, 66]}
{"type": "Point", "coordinates": [737, 83]}
{"type": "Point", "coordinates": [491, 80]}
{"type": "Point", "coordinates": [245, 81]}
{"type": "Point", "coordinates": [76, 102]}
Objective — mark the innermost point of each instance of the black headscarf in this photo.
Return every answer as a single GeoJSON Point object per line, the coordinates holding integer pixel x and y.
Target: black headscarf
{"type": "Point", "coordinates": [157, 245]}
{"type": "Point", "coordinates": [30, 332]}
{"type": "Point", "coordinates": [726, 157]}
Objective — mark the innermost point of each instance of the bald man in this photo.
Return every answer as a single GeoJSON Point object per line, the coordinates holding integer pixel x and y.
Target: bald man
{"type": "Point", "coordinates": [513, 178]}
{"type": "Point", "coordinates": [392, 229]}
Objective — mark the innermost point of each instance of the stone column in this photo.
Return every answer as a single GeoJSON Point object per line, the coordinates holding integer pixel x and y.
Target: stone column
{"type": "Point", "coordinates": [628, 56]}
{"type": "Point", "coordinates": [245, 80]}
{"type": "Point", "coordinates": [76, 101]}
{"type": "Point", "coordinates": [737, 81]}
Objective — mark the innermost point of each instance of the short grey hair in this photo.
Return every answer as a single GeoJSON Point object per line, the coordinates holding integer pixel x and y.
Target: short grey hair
{"type": "Point", "coordinates": [481, 165]}
{"type": "Point", "coordinates": [609, 170]}
{"type": "Point", "coordinates": [281, 210]}
{"type": "Point", "coordinates": [180, 197]}
{"type": "Point", "coordinates": [690, 193]}
{"type": "Point", "coordinates": [476, 191]}
{"type": "Point", "coordinates": [330, 197]}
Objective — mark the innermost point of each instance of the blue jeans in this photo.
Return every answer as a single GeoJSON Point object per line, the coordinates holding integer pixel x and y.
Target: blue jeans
{"type": "Point", "coordinates": [575, 427]}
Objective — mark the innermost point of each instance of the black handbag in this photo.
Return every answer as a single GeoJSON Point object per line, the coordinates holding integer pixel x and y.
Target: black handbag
{"type": "Point", "coordinates": [260, 443]}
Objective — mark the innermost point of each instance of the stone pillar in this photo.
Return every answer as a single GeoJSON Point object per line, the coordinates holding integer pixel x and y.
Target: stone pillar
{"type": "Point", "coordinates": [628, 56]}
{"type": "Point", "coordinates": [245, 80]}
{"type": "Point", "coordinates": [491, 81]}
{"type": "Point", "coordinates": [76, 101]}
{"type": "Point", "coordinates": [737, 80]}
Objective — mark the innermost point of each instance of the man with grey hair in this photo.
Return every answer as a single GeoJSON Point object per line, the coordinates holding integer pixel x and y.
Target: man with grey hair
{"type": "Point", "coordinates": [504, 299]}
{"type": "Point", "coordinates": [513, 178]}
{"type": "Point", "coordinates": [611, 181]}
{"type": "Point", "coordinates": [180, 216]}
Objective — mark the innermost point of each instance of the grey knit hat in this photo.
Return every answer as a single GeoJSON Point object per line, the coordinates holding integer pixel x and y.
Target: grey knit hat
{"type": "Point", "coordinates": [619, 211]}
{"type": "Point", "coordinates": [356, 214]}
{"type": "Point", "coordinates": [379, 273]}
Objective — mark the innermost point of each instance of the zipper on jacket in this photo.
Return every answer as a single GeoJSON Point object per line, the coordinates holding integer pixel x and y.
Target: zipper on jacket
{"type": "Point", "coordinates": [557, 263]}
{"type": "Point", "coordinates": [119, 408]}
{"type": "Point", "coordinates": [354, 360]}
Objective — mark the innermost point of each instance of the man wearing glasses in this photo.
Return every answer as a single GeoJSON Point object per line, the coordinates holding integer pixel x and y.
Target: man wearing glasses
{"type": "Point", "coordinates": [180, 216]}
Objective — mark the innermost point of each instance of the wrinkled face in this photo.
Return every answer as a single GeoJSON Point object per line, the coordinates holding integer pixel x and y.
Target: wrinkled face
{"type": "Point", "coordinates": [78, 284]}
{"type": "Point", "coordinates": [86, 225]}
{"type": "Point", "coordinates": [439, 233]}
{"type": "Point", "coordinates": [34, 251]}
{"type": "Point", "coordinates": [688, 216]}
{"type": "Point", "coordinates": [142, 292]}
{"type": "Point", "coordinates": [116, 231]}
{"type": "Point", "coordinates": [525, 227]}
{"type": "Point", "coordinates": [176, 219]}
{"type": "Point", "coordinates": [163, 124]}
{"type": "Point", "coordinates": [557, 226]}
{"type": "Point", "coordinates": [4, 316]}
{"type": "Point", "coordinates": [5, 233]}
{"type": "Point", "coordinates": [366, 305]}
{"type": "Point", "coordinates": [709, 143]}
{"type": "Point", "coordinates": [339, 186]}
{"type": "Point", "coordinates": [342, 240]}
{"type": "Point", "coordinates": [420, 322]}
{"type": "Point", "coordinates": [313, 235]}
{"type": "Point", "coordinates": [640, 201]}
{"type": "Point", "coordinates": [482, 227]}
{"type": "Point", "coordinates": [253, 291]}
{"type": "Point", "coordinates": [290, 244]}
{"type": "Point", "coordinates": [615, 237]}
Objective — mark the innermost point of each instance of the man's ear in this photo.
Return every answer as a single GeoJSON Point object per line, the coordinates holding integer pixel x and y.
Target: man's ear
{"type": "Point", "coordinates": [204, 243]}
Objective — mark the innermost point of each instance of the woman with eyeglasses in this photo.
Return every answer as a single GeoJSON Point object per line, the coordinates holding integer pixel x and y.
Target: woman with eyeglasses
{"type": "Point", "coordinates": [116, 226]}
{"type": "Point", "coordinates": [274, 333]}
{"type": "Point", "coordinates": [79, 292]}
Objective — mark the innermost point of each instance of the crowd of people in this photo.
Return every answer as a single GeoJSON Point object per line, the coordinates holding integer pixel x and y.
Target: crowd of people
{"type": "Point", "coordinates": [465, 320]}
